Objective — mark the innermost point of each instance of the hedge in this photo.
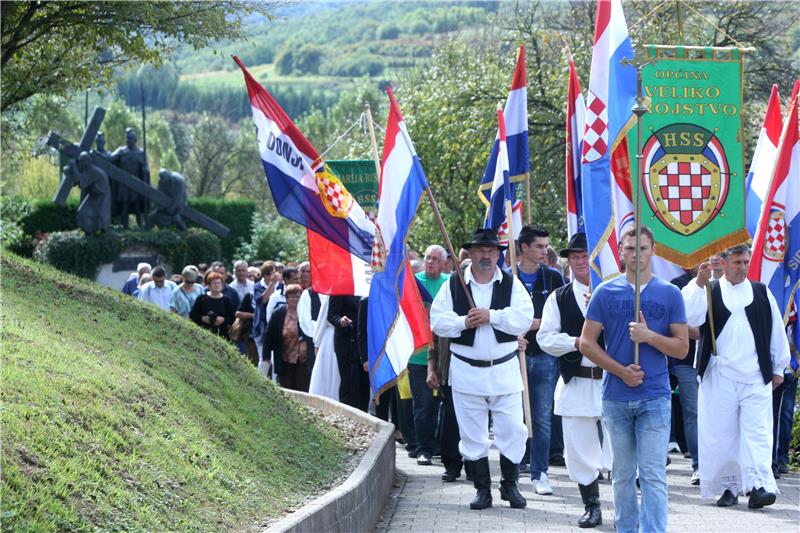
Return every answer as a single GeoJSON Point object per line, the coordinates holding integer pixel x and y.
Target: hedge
{"type": "Point", "coordinates": [47, 217]}
{"type": "Point", "coordinates": [83, 255]}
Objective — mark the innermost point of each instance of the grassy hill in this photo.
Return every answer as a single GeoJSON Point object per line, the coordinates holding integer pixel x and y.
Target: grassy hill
{"type": "Point", "coordinates": [118, 416]}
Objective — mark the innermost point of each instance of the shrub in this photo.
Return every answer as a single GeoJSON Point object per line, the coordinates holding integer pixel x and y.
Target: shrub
{"type": "Point", "coordinates": [83, 255]}
{"type": "Point", "coordinates": [13, 211]}
{"type": "Point", "coordinates": [76, 253]}
{"type": "Point", "coordinates": [237, 215]}
{"type": "Point", "coordinates": [274, 238]}
{"type": "Point", "coordinates": [45, 216]}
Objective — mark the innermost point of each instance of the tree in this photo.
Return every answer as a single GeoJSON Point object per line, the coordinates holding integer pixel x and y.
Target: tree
{"type": "Point", "coordinates": [61, 47]}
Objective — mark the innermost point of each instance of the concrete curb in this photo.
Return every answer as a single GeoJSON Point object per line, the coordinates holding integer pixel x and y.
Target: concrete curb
{"type": "Point", "coordinates": [357, 503]}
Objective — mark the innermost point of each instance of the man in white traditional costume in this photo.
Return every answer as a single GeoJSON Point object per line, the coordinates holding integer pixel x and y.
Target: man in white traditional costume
{"type": "Point", "coordinates": [484, 370]}
{"type": "Point", "coordinates": [579, 389]}
{"type": "Point", "coordinates": [735, 396]}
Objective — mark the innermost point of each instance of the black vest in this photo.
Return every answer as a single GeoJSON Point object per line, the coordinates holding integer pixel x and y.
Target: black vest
{"type": "Point", "coordinates": [759, 315]}
{"type": "Point", "coordinates": [315, 304]}
{"type": "Point", "coordinates": [572, 324]}
{"type": "Point", "coordinates": [546, 282]}
{"type": "Point", "coordinates": [501, 298]}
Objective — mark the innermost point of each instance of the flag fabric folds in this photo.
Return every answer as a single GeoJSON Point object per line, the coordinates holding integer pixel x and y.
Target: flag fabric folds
{"type": "Point", "coordinates": [612, 92]}
{"type": "Point", "coordinates": [396, 319]}
{"type": "Point", "coordinates": [758, 179]}
{"type": "Point", "coordinates": [576, 109]}
{"type": "Point", "coordinates": [501, 188]}
{"type": "Point", "coordinates": [776, 246]}
{"type": "Point", "coordinates": [515, 115]}
{"type": "Point", "coordinates": [305, 191]}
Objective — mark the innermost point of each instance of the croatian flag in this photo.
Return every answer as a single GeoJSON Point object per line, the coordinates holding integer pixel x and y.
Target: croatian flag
{"type": "Point", "coordinates": [501, 186]}
{"type": "Point", "coordinates": [776, 246]}
{"type": "Point", "coordinates": [396, 319]}
{"type": "Point", "coordinates": [305, 191]}
{"type": "Point", "coordinates": [757, 184]}
{"type": "Point", "coordinates": [516, 120]}
{"type": "Point", "coordinates": [576, 109]}
{"type": "Point", "coordinates": [612, 92]}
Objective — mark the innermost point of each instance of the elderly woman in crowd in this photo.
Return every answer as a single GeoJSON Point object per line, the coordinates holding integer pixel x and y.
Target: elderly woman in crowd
{"type": "Point", "coordinates": [183, 297]}
{"type": "Point", "coordinates": [284, 339]}
{"type": "Point", "coordinates": [213, 310]}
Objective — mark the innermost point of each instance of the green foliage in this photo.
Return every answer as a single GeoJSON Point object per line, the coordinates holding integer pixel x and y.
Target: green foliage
{"type": "Point", "coordinates": [83, 255]}
{"type": "Point", "coordinates": [61, 47]}
{"type": "Point", "coordinates": [46, 217]}
{"type": "Point", "coordinates": [273, 238]}
{"type": "Point", "coordinates": [118, 416]}
{"type": "Point", "coordinates": [77, 253]}
{"type": "Point", "coordinates": [235, 214]}
{"type": "Point", "coordinates": [388, 30]}
{"type": "Point", "coordinates": [13, 211]}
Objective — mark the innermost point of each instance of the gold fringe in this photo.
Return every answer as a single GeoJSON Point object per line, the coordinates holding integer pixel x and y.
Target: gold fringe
{"type": "Point", "coordinates": [689, 260]}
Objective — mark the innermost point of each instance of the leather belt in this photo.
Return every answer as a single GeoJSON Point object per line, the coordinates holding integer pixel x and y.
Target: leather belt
{"type": "Point", "coordinates": [590, 372]}
{"type": "Point", "coordinates": [483, 362]}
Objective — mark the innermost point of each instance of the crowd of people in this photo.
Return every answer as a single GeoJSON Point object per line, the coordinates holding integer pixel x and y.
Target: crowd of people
{"type": "Point", "coordinates": [607, 393]}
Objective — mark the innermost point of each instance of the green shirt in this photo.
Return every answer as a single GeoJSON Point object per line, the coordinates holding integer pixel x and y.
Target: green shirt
{"type": "Point", "coordinates": [420, 357]}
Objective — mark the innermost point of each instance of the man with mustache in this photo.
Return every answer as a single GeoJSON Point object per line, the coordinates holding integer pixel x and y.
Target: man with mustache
{"type": "Point", "coordinates": [484, 370]}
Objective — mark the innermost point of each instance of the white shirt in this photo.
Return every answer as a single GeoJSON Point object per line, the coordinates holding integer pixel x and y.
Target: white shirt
{"type": "Point", "coordinates": [581, 396]}
{"type": "Point", "coordinates": [307, 325]}
{"type": "Point", "coordinates": [276, 298]}
{"type": "Point", "coordinates": [242, 289]}
{"type": "Point", "coordinates": [514, 319]}
{"type": "Point", "coordinates": [157, 295]}
{"type": "Point", "coordinates": [737, 358]}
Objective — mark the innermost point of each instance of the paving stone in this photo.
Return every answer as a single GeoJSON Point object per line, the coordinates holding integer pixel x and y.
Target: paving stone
{"type": "Point", "coordinates": [425, 503]}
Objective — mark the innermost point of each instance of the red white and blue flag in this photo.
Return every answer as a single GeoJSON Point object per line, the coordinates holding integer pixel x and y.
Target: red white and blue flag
{"type": "Point", "coordinates": [396, 318]}
{"type": "Point", "coordinates": [758, 180]}
{"type": "Point", "coordinates": [339, 232]}
{"type": "Point", "coordinates": [776, 246]}
{"type": "Point", "coordinates": [515, 115]}
{"type": "Point", "coordinates": [612, 92]}
{"type": "Point", "coordinates": [501, 185]}
{"type": "Point", "coordinates": [576, 118]}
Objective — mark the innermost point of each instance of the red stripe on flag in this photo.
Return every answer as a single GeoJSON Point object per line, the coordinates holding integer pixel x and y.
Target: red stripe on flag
{"type": "Point", "coordinates": [773, 120]}
{"type": "Point", "coordinates": [413, 308]}
{"type": "Point", "coordinates": [602, 19]}
{"type": "Point", "coordinates": [260, 98]}
{"type": "Point", "coordinates": [331, 266]}
{"type": "Point", "coordinates": [520, 80]}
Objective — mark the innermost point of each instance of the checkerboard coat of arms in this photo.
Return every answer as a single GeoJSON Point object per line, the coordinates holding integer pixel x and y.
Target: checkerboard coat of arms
{"type": "Point", "coordinates": [687, 179]}
{"type": "Point", "coordinates": [692, 174]}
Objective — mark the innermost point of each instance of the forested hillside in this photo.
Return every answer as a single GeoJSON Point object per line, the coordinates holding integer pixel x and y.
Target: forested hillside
{"type": "Point", "coordinates": [307, 56]}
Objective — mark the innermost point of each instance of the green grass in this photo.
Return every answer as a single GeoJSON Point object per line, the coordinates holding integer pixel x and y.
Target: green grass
{"type": "Point", "coordinates": [118, 416]}
{"type": "Point", "coordinates": [265, 74]}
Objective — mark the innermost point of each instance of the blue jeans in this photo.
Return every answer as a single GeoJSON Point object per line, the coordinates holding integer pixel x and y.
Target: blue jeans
{"type": "Point", "coordinates": [639, 433]}
{"type": "Point", "coordinates": [426, 409]}
{"type": "Point", "coordinates": [687, 388]}
{"type": "Point", "coordinates": [542, 378]}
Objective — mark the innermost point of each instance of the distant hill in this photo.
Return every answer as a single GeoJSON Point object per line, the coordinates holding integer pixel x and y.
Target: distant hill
{"type": "Point", "coordinates": [119, 416]}
{"type": "Point", "coordinates": [307, 55]}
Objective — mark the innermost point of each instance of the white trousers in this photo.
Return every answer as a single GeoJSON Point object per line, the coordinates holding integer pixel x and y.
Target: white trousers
{"type": "Point", "coordinates": [510, 432]}
{"type": "Point", "coordinates": [734, 436]}
{"type": "Point", "coordinates": [583, 453]}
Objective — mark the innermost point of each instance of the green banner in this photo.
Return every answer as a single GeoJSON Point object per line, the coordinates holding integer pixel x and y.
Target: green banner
{"type": "Point", "coordinates": [360, 179]}
{"type": "Point", "coordinates": [692, 154]}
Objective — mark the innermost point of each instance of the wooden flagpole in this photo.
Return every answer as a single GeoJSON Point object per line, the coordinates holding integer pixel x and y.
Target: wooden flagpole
{"type": "Point", "coordinates": [512, 255]}
{"type": "Point", "coordinates": [372, 140]}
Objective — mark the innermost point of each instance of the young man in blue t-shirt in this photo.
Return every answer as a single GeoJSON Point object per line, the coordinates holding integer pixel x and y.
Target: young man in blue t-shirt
{"type": "Point", "coordinates": [636, 398]}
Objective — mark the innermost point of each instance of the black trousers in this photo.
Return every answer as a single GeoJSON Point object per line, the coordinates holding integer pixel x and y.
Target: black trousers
{"type": "Point", "coordinates": [354, 387]}
{"type": "Point", "coordinates": [448, 433]}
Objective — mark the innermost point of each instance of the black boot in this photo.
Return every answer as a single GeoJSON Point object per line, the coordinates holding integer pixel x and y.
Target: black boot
{"type": "Point", "coordinates": [590, 494]}
{"type": "Point", "coordinates": [508, 484]}
{"type": "Point", "coordinates": [482, 480]}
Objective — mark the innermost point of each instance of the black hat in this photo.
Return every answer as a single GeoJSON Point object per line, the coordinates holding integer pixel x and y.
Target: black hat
{"type": "Point", "coordinates": [484, 237]}
{"type": "Point", "coordinates": [576, 244]}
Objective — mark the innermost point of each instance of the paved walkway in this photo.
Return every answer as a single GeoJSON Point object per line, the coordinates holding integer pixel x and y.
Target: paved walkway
{"type": "Point", "coordinates": [422, 502]}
